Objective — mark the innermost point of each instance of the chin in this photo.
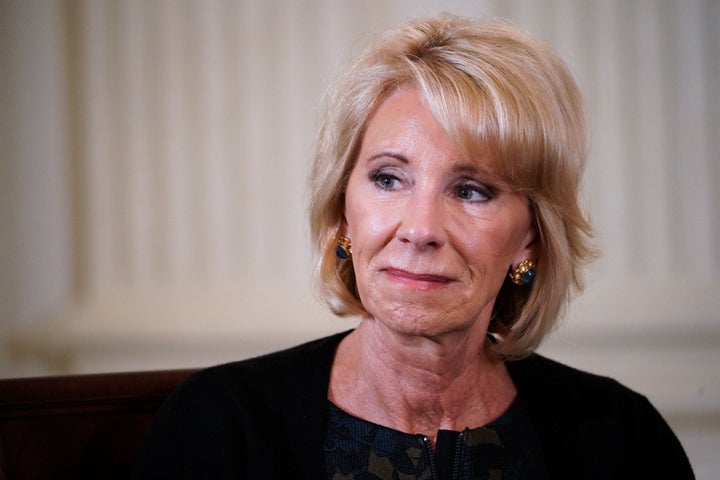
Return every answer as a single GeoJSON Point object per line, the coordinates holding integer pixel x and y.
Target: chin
{"type": "Point", "coordinates": [421, 322]}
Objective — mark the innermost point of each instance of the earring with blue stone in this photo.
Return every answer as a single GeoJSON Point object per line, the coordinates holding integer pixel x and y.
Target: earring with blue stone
{"type": "Point", "coordinates": [343, 250]}
{"type": "Point", "coordinates": [524, 273]}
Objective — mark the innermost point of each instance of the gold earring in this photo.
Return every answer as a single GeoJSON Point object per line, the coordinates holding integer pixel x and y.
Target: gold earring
{"type": "Point", "coordinates": [524, 273]}
{"type": "Point", "coordinates": [343, 250]}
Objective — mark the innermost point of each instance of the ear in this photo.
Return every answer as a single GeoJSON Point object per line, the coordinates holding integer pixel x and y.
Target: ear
{"type": "Point", "coordinates": [343, 227]}
{"type": "Point", "coordinates": [529, 248]}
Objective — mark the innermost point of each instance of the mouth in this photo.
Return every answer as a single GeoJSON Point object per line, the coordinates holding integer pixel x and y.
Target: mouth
{"type": "Point", "coordinates": [419, 280]}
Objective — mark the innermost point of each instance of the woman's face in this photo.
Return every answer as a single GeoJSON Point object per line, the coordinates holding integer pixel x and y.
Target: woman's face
{"type": "Point", "coordinates": [432, 237]}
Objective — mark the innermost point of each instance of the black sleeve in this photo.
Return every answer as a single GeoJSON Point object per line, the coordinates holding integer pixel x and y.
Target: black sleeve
{"type": "Point", "coordinates": [592, 427]}
{"type": "Point", "coordinates": [655, 451]}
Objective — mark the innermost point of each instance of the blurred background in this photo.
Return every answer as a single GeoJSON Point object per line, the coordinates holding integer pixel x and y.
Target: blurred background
{"type": "Point", "coordinates": [152, 183]}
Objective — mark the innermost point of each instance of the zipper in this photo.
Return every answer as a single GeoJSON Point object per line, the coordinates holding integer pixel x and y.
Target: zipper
{"type": "Point", "coordinates": [458, 450]}
{"type": "Point", "coordinates": [434, 474]}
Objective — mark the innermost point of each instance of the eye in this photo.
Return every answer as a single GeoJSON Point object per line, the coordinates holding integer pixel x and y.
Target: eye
{"type": "Point", "coordinates": [384, 180]}
{"type": "Point", "coordinates": [474, 192]}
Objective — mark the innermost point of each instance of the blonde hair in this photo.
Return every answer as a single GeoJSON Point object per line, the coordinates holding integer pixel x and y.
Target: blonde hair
{"type": "Point", "coordinates": [501, 94]}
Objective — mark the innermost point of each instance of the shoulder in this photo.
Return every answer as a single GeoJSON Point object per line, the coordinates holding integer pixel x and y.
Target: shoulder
{"type": "Point", "coordinates": [607, 426]}
{"type": "Point", "coordinates": [570, 396]}
{"type": "Point", "coordinates": [264, 383]}
{"type": "Point", "coordinates": [222, 416]}
{"type": "Point", "coordinates": [541, 378]}
{"type": "Point", "coordinates": [319, 350]}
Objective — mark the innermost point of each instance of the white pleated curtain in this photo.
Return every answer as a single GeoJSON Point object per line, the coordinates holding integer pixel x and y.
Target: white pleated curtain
{"type": "Point", "coordinates": [196, 124]}
{"type": "Point", "coordinates": [185, 130]}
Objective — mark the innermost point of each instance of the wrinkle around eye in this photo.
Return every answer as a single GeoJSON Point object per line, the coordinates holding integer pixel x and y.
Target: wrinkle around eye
{"type": "Point", "coordinates": [479, 193]}
{"type": "Point", "coordinates": [385, 180]}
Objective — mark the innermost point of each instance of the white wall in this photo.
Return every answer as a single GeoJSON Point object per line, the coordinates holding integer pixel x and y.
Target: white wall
{"type": "Point", "coordinates": [152, 202]}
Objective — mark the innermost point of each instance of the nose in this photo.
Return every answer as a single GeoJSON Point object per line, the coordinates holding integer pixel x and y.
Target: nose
{"type": "Point", "coordinates": [423, 222]}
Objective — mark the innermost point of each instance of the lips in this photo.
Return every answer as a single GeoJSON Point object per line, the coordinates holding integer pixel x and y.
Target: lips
{"type": "Point", "coordinates": [405, 275]}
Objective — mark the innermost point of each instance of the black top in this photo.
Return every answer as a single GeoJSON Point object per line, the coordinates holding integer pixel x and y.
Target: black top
{"type": "Point", "coordinates": [268, 418]}
{"type": "Point", "coordinates": [507, 448]}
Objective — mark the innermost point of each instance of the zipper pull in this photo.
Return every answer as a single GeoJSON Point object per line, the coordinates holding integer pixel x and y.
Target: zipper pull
{"type": "Point", "coordinates": [458, 449]}
{"type": "Point", "coordinates": [434, 474]}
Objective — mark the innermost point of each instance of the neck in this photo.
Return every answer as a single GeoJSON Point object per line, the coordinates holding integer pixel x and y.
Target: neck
{"type": "Point", "coordinates": [416, 384]}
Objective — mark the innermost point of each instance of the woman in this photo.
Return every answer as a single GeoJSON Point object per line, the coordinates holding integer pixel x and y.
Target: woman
{"type": "Point", "coordinates": [445, 214]}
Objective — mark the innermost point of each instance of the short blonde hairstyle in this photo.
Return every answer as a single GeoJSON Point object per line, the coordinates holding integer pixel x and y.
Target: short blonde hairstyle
{"type": "Point", "coordinates": [503, 96]}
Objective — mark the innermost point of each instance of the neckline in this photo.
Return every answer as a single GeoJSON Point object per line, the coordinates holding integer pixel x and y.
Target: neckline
{"type": "Point", "coordinates": [503, 419]}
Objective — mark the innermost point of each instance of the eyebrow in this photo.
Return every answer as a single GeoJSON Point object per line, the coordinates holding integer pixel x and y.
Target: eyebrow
{"type": "Point", "coordinates": [480, 169]}
{"type": "Point", "coordinates": [384, 154]}
{"type": "Point", "coordinates": [461, 167]}
{"type": "Point", "coordinates": [468, 168]}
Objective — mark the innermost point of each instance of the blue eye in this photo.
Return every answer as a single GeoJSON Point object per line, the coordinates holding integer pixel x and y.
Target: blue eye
{"type": "Point", "coordinates": [474, 193]}
{"type": "Point", "coordinates": [384, 180]}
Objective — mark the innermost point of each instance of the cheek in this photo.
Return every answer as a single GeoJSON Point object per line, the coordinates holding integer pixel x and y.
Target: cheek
{"type": "Point", "coordinates": [357, 219]}
{"type": "Point", "coordinates": [510, 240]}
{"type": "Point", "coordinates": [494, 241]}
{"type": "Point", "coordinates": [368, 219]}
{"type": "Point", "coordinates": [378, 222]}
{"type": "Point", "coordinates": [510, 231]}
